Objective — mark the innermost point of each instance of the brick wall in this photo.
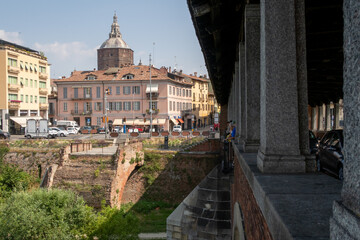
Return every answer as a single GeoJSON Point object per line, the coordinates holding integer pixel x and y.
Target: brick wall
{"type": "Point", "coordinates": [209, 145]}
{"type": "Point", "coordinates": [254, 222]}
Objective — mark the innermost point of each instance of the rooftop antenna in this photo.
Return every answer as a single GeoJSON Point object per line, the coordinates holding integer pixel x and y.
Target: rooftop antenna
{"type": "Point", "coordinates": [175, 65]}
{"type": "Point", "coordinates": [153, 54]}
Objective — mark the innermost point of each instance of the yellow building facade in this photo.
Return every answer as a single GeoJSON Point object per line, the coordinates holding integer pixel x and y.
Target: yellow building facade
{"type": "Point", "coordinates": [25, 85]}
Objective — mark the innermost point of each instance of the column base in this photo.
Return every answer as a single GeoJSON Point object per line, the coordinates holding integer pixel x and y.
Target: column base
{"type": "Point", "coordinates": [344, 224]}
{"type": "Point", "coordinates": [250, 146]}
{"type": "Point", "coordinates": [310, 161]}
{"type": "Point", "coordinates": [281, 163]}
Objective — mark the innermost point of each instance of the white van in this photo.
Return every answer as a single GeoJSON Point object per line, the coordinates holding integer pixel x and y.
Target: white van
{"type": "Point", "coordinates": [68, 123]}
{"type": "Point", "coordinates": [177, 128]}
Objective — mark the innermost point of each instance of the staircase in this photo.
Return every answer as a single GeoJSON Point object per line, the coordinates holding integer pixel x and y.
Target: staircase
{"type": "Point", "coordinates": [205, 213]}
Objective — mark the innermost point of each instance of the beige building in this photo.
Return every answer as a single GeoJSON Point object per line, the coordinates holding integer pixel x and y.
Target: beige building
{"type": "Point", "coordinates": [24, 81]}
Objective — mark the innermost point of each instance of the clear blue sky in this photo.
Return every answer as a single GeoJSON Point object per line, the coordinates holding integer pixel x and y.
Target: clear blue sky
{"type": "Point", "coordinates": [70, 31]}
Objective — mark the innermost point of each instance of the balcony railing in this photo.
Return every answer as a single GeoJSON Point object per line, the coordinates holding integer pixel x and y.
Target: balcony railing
{"type": "Point", "coordinates": [43, 75]}
{"type": "Point", "coordinates": [12, 69]}
{"type": "Point", "coordinates": [43, 106]}
{"type": "Point", "coordinates": [81, 112]}
{"type": "Point", "coordinates": [14, 105]}
{"type": "Point", "coordinates": [81, 97]}
{"type": "Point", "coordinates": [13, 87]}
{"type": "Point", "coordinates": [154, 95]}
{"type": "Point", "coordinates": [43, 91]}
{"type": "Point", "coordinates": [154, 111]}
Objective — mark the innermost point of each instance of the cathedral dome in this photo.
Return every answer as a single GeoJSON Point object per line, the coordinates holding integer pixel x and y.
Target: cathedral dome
{"type": "Point", "coordinates": [114, 43]}
{"type": "Point", "coordinates": [115, 39]}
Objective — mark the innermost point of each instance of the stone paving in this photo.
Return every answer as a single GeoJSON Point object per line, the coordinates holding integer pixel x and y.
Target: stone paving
{"type": "Point", "coordinates": [144, 236]}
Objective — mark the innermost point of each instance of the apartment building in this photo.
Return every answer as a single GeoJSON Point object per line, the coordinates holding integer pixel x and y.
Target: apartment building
{"type": "Point", "coordinates": [82, 98]}
{"type": "Point", "coordinates": [24, 81]}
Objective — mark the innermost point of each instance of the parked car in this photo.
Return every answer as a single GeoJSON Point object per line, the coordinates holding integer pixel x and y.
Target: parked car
{"type": "Point", "coordinates": [313, 142]}
{"type": "Point", "coordinates": [52, 133]}
{"type": "Point", "coordinates": [137, 130]}
{"type": "Point", "coordinates": [88, 128]}
{"type": "Point", "coordinates": [330, 153]}
{"type": "Point", "coordinates": [102, 130]}
{"type": "Point", "coordinates": [177, 128]}
{"type": "Point", "coordinates": [117, 129]}
{"type": "Point", "coordinates": [4, 135]}
{"type": "Point", "coordinates": [60, 133]}
{"type": "Point", "coordinates": [72, 130]}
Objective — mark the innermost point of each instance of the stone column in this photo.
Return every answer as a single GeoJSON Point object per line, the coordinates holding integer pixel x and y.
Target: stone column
{"type": "Point", "coordinates": [345, 222]}
{"type": "Point", "coordinates": [252, 78]}
{"type": "Point", "coordinates": [242, 110]}
{"type": "Point", "coordinates": [223, 119]}
{"type": "Point", "coordinates": [280, 113]}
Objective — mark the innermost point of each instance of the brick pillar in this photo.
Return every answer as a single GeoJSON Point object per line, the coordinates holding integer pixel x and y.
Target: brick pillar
{"type": "Point", "coordinates": [345, 222]}
{"type": "Point", "coordinates": [280, 108]}
{"type": "Point", "coordinates": [223, 119]}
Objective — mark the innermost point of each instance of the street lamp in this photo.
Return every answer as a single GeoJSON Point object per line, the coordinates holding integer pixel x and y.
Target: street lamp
{"type": "Point", "coordinates": [150, 108]}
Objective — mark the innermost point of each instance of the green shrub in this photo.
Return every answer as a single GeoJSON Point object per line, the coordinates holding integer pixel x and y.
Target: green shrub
{"type": "Point", "coordinates": [42, 214]}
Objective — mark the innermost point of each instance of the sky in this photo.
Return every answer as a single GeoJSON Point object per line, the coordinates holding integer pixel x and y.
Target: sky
{"type": "Point", "coordinates": [69, 32]}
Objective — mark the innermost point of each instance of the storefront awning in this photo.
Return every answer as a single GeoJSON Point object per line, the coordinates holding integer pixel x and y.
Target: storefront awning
{"type": "Point", "coordinates": [180, 120]}
{"type": "Point", "coordinates": [22, 120]}
{"type": "Point", "coordinates": [174, 120]}
{"type": "Point", "coordinates": [154, 88]}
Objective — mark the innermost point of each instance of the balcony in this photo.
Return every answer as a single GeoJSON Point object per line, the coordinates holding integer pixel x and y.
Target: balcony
{"type": "Point", "coordinates": [13, 87]}
{"type": "Point", "coordinates": [43, 76]}
{"type": "Point", "coordinates": [44, 106]}
{"type": "Point", "coordinates": [12, 69]}
{"type": "Point", "coordinates": [86, 97]}
{"type": "Point", "coordinates": [14, 104]}
{"type": "Point", "coordinates": [43, 91]}
{"type": "Point", "coordinates": [79, 112]}
{"type": "Point", "coordinates": [154, 95]}
{"type": "Point", "coordinates": [154, 111]}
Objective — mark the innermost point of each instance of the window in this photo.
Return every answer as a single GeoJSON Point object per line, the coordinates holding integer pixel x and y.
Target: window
{"type": "Point", "coordinates": [12, 62]}
{"type": "Point", "coordinates": [42, 69]}
{"type": "Point", "coordinates": [31, 83]}
{"type": "Point", "coordinates": [98, 94]}
{"type": "Point", "coordinates": [35, 68]}
{"type": "Point", "coordinates": [136, 106]}
{"type": "Point", "coordinates": [177, 91]}
{"type": "Point", "coordinates": [26, 98]}
{"type": "Point", "coordinates": [90, 77]}
{"type": "Point", "coordinates": [173, 90]}
{"type": "Point", "coordinates": [35, 83]}
{"type": "Point", "coordinates": [128, 76]}
{"type": "Point", "coordinates": [136, 90]}
{"type": "Point", "coordinates": [173, 105]}
{"type": "Point", "coordinates": [76, 92]}
{"type": "Point", "coordinates": [183, 108]}
{"type": "Point", "coordinates": [170, 106]}
{"type": "Point", "coordinates": [87, 92]}
{"type": "Point", "coordinates": [127, 106]}
{"type": "Point", "coordinates": [31, 98]}
{"type": "Point", "coordinates": [194, 107]}
{"type": "Point", "coordinates": [22, 97]}
{"type": "Point", "coordinates": [169, 90]}
{"type": "Point", "coordinates": [21, 65]}
{"type": "Point", "coordinates": [31, 67]}
{"type": "Point", "coordinates": [26, 66]}
{"type": "Point", "coordinates": [13, 96]}
{"type": "Point", "coordinates": [42, 99]}
{"type": "Point", "coordinates": [87, 107]}
{"type": "Point", "coordinates": [76, 107]}
{"type": "Point", "coordinates": [154, 105]}
{"type": "Point", "coordinates": [126, 90]}
{"type": "Point", "coordinates": [183, 92]}
{"type": "Point", "coordinates": [12, 80]}
{"type": "Point", "coordinates": [118, 90]}
{"type": "Point", "coordinates": [118, 106]}
{"type": "Point", "coordinates": [65, 106]}
{"type": "Point", "coordinates": [41, 84]}
{"type": "Point", "coordinates": [98, 120]}
{"type": "Point", "coordinates": [189, 93]}
{"type": "Point", "coordinates": [177, 106]}
{"type": "Point", "coordinates": [110, 90]}
{"type": "Point", "coordinates": [98, 106]}
{"type": "Point", "coordinates": [65, 92]}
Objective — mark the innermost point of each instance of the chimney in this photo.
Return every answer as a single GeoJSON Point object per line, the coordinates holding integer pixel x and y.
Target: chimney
{"type": "Point", "coordinates": [205, 76]}
{"type": "Point", "coordinates": [63, 77]}
{"type": "Point", "coordinates": [195, 73]}
{"type": "Point", "coordinates": [169, 69]}
{"type": "Point", "coordinates": [163, 70]}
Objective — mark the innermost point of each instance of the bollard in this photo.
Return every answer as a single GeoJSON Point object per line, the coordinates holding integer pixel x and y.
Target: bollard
{"type": "Point", "coordinates": [166, 142]}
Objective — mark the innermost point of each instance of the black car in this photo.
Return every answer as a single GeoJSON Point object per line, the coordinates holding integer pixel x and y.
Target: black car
{"type": "Point", "coordinates": [313, 142]}
{"type": "Point", "coordinates": [330, 153]}
{"type": "Point", "coordinates": [4, 135]}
